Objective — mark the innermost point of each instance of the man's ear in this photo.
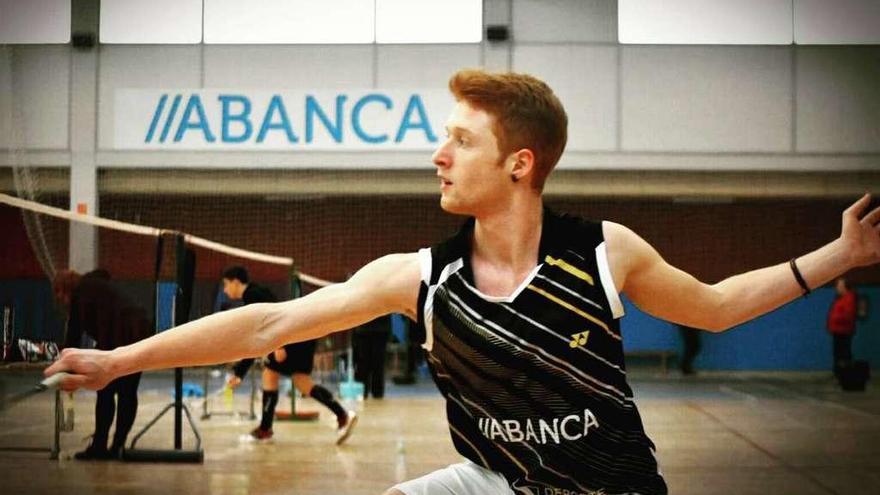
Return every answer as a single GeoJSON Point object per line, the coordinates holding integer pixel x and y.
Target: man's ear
{"type": "Point", "coordinates": [522, 164]}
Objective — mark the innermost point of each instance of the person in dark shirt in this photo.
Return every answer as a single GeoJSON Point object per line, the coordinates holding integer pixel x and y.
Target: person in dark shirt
{"type": "Point", "coordinates": [99, 310]}
{"type": "Point", "coordinates": [294, 360]}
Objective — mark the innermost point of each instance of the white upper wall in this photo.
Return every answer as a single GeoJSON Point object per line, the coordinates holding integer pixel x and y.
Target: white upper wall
{"type": "Point", "coordinates": [706, 99]}
{"type": "Point", "coordinates": [136, 67]}
{"type": "Point", "coordinates": [34, 21]}
{"type": "Point", "coordinates": [632, 105]}
{"type": "Point", "coordinates": [34, 97]}
{"type": "Point", "coordinates": [838, 97]}
{"type": "Point", "coordinates": [838, 22]}
{"type": "Point", "coordinates": [395, 65]}
{"type": "Point", "coordinates": [588, 89]}
{"type": "Point", "coordinates": [573, 21]}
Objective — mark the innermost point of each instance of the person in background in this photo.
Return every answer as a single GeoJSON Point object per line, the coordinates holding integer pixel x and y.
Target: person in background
{"type": "Point", "coordinates": [294, 360]}
{"type": "Point", "coordinates": [413, 357]}
{"type": "Point", "coordinates": [369, 343]}
{"type": "Point", "coordinates": [842, 324]}
{"type": "Point", "coordinates": [690, 338]}
{"type": "Point", "coordinates": [100, 312]}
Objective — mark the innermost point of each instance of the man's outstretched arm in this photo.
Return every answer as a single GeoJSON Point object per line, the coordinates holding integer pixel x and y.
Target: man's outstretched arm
{"type": "Point", "coordinates": [672, 294]}
{"type": "Point", "coordinates": [388, 284]}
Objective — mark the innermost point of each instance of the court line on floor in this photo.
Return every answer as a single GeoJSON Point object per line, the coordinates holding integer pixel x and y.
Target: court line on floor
{"type": "Point", "coordinates": [761, 449]}
{"type": "Point", "coordinates": [817, 401]}
{"type": "Point", "coordinates": [738, 393]}
{"type": "Point", "coordinates": [753, 401]}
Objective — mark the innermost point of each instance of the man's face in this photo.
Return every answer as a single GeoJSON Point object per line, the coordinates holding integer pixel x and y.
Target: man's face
{"type": "Point", "coordinates": [233, 288]}
{"type": "Point", "coordinates": [472, 180]}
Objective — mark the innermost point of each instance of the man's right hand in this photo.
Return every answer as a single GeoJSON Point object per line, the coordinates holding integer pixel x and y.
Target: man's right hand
{"type": "Point", "coordinates": [88, 368]}
{"type": "Point", "coordinates": [233, 381]}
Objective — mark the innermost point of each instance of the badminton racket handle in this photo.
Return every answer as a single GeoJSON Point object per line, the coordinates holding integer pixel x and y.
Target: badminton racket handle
{"type": "Point", "coordinates": [54, 380]}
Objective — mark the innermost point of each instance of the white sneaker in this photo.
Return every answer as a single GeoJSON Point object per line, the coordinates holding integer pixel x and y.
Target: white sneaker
{"type": "Point", "coordinates": [344, 431]}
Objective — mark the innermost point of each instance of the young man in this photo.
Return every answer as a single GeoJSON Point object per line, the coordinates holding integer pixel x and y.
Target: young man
{"type": "Point", "coordinates": [294, 360]}
{"type": "Point", "coordinates": [520, 309]}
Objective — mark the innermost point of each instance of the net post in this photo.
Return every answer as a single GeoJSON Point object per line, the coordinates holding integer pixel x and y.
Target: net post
{"type": "Point", "coordinates": [294, 281]}
{"type": "Point", "coordinates": [184, 275]}
{"type": "Point", "coordinates": [295, 285]}
{"type": "Point", "coordinates": [181, 315]}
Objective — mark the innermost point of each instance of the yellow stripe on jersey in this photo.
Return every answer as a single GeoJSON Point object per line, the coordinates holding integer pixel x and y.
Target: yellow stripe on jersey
{"type": "Point", "coordinates": [570, 307]}
{"type": "Point", "coordinates": [577, 272]}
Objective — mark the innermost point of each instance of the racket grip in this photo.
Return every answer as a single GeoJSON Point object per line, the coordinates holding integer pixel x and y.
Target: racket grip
{"type": "Point", "coordinates": [54, 380]}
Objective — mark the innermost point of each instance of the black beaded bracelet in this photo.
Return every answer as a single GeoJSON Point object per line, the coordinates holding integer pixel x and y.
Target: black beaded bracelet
{"type": "Point", "coordinates": [799, 277]}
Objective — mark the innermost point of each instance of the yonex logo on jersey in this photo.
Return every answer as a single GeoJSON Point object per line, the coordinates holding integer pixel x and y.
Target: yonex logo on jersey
{"type": "Point", "coordinates": [541, 431]}
{"type": "Point", "coordinates": [579, 339]}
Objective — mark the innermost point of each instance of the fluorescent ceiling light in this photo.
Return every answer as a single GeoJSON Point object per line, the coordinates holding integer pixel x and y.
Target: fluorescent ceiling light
{"type": "Point", "coordinates": [429, 21]}
{"type": "Point", "coordinates": [151, 21]}
{"type": "Point", "coordinates": [289, 21]}
{"type": "Point", "coordinates": [705, 22]}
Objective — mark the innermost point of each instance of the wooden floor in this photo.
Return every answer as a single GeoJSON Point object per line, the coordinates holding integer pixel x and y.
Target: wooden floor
{"type": "Point", "coordinates": [716, 433]}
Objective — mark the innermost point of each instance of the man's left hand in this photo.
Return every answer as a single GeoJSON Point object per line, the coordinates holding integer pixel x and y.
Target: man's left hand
{"type": "Point", "coordinates": [861, 234]}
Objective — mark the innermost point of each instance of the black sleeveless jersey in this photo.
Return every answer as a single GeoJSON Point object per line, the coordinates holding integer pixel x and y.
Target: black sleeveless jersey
{"type": "Point", "coordinates": [535, 383]}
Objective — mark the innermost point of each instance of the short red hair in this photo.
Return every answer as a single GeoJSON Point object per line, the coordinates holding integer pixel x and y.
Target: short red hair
{"type": "Point", "coordinates": [527, 114]}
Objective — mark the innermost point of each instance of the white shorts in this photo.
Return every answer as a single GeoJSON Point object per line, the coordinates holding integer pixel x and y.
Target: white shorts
{"type": "Point", "coordinates": [464, 478]}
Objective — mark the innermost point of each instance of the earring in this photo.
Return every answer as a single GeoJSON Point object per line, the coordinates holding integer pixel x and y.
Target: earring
{"type": "Point", "coordinates": [514, 178]}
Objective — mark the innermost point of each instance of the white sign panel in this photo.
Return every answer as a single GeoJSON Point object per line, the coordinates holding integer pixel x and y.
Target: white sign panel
{"type": "Point", "coordinates": [180, 119]}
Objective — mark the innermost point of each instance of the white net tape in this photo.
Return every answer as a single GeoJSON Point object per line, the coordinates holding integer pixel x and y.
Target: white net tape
{"type": "Point", "coordinates": [40, 208]}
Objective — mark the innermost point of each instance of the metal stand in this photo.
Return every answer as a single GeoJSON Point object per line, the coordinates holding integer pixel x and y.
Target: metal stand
{"type": "Point", "coordinates": [58, 420]}
{"type": "Point", "coordinates": [293, 414]}
{"type": "Point", "coordinates": [206, 414]}
{"type": "Point", "coordinates": [178, 454]}
{"type": "Point", "coordinates": [185, 273]}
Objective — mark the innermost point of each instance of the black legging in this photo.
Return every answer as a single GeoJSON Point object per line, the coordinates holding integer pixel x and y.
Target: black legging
{"type": "Point", "coordinates": [842, 351]}
{"type": "Point", "coordinates": [691, 339]}
{"type": "Point", "coordinates": [369, 361]}
{"type": "Point", "coordinates": [124, 391]}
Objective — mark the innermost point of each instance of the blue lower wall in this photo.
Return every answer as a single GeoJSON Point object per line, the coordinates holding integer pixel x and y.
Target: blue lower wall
{"type": "Point", "coordinates": [791, 338]}
{"type": "Point", "coordinates": [36, 317]}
